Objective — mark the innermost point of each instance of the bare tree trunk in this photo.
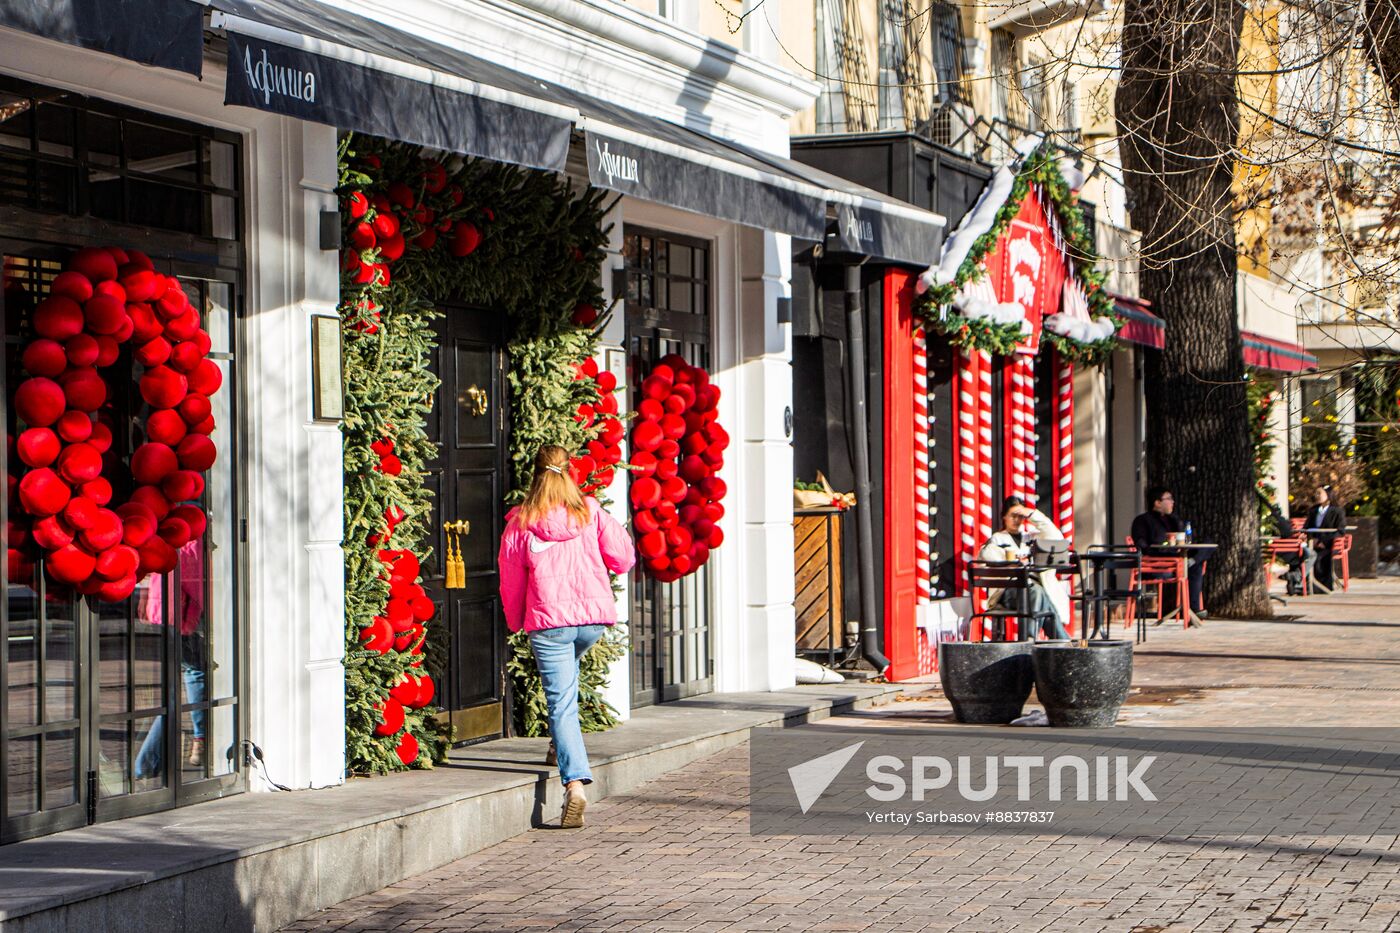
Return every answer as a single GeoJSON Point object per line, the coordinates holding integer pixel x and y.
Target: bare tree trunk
{"type": "Point", "coordinates": [1178, 122]}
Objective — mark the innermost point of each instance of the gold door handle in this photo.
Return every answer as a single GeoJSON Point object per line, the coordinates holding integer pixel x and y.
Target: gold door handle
{"type": "Point", "coordinates": [454, 566]}
{"type": "Point", "coordinates": [476, 401]}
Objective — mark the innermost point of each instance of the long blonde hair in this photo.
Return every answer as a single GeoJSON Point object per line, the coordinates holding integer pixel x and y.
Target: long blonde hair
{"type": "Point", "coordinates": [551, 487]}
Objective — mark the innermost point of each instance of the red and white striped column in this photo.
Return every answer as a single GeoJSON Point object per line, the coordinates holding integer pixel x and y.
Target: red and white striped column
{"type": "Point", "coordinates": [1064, 448]}
{"type": "Point", "coordinates": [986, 507]}
{"type": "Point", "coordinates": [1022, 413]}
{"type": "Point", "coordinates": [922, 477]}
{"type": "Point", "coordinates": [965, 410]}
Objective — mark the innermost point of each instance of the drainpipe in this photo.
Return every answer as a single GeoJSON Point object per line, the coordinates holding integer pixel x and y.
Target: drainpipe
{"type": "Point", "coordinates": [865, 534]}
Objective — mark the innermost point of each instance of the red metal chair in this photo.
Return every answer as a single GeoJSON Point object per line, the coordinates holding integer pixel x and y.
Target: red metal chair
{"type": "Point", "coordinates": [1280, 548]}
{"type": "Point", "coordinates": [1164, 572]}
{"type": "Point", "coordinates": [1297, 523]}
{"type": "Point", "coordinates": [1341, 554]}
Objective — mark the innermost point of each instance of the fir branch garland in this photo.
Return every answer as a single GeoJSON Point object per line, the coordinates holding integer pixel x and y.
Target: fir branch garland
{"type": "Point", "coordinates": [525, 244]}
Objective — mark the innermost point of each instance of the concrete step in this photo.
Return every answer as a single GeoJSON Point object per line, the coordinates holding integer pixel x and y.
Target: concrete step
{"type": "Point", "coordinates": [256, 862]}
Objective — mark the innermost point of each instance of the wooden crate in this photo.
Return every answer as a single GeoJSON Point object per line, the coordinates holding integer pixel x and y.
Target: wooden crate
{"type": "Point", "coordinates": [817, 548]}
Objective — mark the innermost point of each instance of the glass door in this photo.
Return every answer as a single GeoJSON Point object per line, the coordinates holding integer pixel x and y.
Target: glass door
{"type": "Point", "coordinates": [668, 311]}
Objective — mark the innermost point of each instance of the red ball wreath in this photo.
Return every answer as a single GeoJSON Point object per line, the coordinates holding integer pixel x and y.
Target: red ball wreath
{"type": "Point", "coordinates": [677, 448]}
{"type": "Point", "coordinates": [594, 466]}
{"type": "Point", "coordinates": [64, 501]}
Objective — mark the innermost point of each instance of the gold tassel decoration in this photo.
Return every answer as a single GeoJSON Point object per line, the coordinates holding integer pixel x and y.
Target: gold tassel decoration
{"type": "Point", "coordinates": [455, 566]}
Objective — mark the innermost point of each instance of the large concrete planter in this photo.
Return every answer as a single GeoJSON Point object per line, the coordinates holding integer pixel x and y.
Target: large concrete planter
{"type": "Point", "coordinates": [1082, 686]}
{"type": "Point", "coordinates": [985, 681]}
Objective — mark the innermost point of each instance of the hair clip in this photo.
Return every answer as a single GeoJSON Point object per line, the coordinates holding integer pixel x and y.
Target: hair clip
{"type": "Point", "coordinates": [556, 469]}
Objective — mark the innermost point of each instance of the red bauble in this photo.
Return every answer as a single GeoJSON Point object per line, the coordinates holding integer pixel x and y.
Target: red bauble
{"type": "Point", "coordinates": [391, 248]}
{"type": "Point", "coordinates": [39, 402]}
{"type": "Point", "coordinates": [151, 463]}
{"type": "Point", "coordinates": [196, 452]}
{"type": "Point", "coordinates": [666, 514]}
{"type": "Point", "coordinates": [71, 285]}
{"type": "Point", "coordinates": [106, 531]}
{"type": "Point", "coordinates": [138, 523]}
{"type": "Point", "coordinates": [673, 427]}
{"type": "Point", "coordinates": [644, 522]}
{"type": "Point", "coordinates": [465, 239]}
{"type": "Point", "coordinates": [651, 545]}
{"type": "Point", "coordinates": [426, 690]}
{"type": "Point", "coordinates": [70, 564]}
{"type": "Point", "coordinates": [46, 357]}
{"type": "Point", "coordinates": [674, 490]}
{"type": "Point", "coordinates": [678, 539]}
{"type": "Point", "coordinates": [656, 388]}
{"type": "Point", "coordinates": [713, 488]}
{"type": "Point", "coordinates": [644, 462]}
{"type": "Point", "coordinates": [391, 465]}
{"type": "Point", "coordinates": [153, 352]}
{"type": "Point", "coordinates": [165, 427]}
{"type": "Point", "coordinates": [144, 325]}
{"type": "Point", "coordinates": [141, 284]}
{"type": "Point", "coordinates": [79, 463]}
{"type": "Point", "coordinates": [406, 690]}
{"type": "Point", "coordinates": [37, 447]}
{"type": "Point", "coordinates": [84, 389]}
{"type": "Point", "coordinates": [58, 318]}
{"type": "Point", "coordinates": [385, 225]}
{"type": "Point", "coordinates": [184, 326]}
{"type": "Point", "coordinates": [390, 717]}
{"type": "Point", "coordinates": [658, 565]}
{"type": "Point", "coordinates": [673, 404]}
{"type": "Point", "coordinates": [611, 431]}
{"type": "Point", "coordinates": [195, 408]}
{"type": "Point", "coordinates": [174, 532]}
{"type": "Point", "coordinates": [694, 469]}
{"type": "Point", "coordinates": [649, 409]}
{"type": "Point", "coordinates": [117, 562]}
{"type": "Point", "coordinates": [194, 517]}
{"type": "Point", "coordinates": [156, 557]}
{"type": "Point", "coordinates": [378, 635]}
{"type": "Point", "coordinates": [163, 387]}
{"type": "Point", "coordinates": [356, 204]}
{"type": "Point", "coordinates": [115, 591]}
{"type": "Point", "coordinates": [407, 749]}
{"type": "Point", "coordinates": [80, 349]}
{"type": "Point", "coordinates": [716, 537]}
{"type": "Point", "coordinates": [80, 512]}
{"type": "Point", "coordinates": [182, 485]}
{"type": "Point", "coordinates": [104, 314]}
{"type": "Point", "coordinates": [205, 380]}
{"type": "Point", "coordinates": [681, 565]}
{"type": "Point", "coordinates": [99, 490]}
{"type": "Point", "coordinates": [666, 469]}
{"type": "Point", "coordinates": [101, 437]}
{"type": "Point", "coordinates": [41, 492]}
{"type": "Point", "coordinates": [645, 436]}
{"type": "Point", "coordinates": [153, 499]}
{"type": "Point", "coordinates": [645, 493]}
{"type": "Point", "coordinates": [667, 450]}
{"type": "Point", "coordinates": [96, 264]}
{"type": "Point", "coordinates": [52, 533]}
{"type": "Point", "coordinates": [362, 236]}
{"type": "Point", "coordinates": [584, 315]}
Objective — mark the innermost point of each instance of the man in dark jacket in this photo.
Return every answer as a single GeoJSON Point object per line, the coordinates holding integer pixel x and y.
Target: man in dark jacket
{"type": "Point", "coordinates": [1153, 526]}
{"type": "Point", "coordinates": [1325, 514]}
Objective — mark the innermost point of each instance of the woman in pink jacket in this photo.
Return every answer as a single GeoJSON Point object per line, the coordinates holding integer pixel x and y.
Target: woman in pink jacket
{"type": "Point", "coordinates": [555, 556]}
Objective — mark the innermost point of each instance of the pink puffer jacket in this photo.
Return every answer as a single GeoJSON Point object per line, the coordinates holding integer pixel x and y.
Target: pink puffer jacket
{"type": "Point", "coordinates": [556, 573]}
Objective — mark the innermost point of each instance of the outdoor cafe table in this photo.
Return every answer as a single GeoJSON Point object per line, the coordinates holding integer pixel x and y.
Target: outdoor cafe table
{"type": "Point", "coordinates": [1327, 536]}
{"type": "Point", "coordinates": [1183, 552]}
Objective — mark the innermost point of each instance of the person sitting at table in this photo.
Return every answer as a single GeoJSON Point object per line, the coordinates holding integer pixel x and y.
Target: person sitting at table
{"type": "Point", "coordinates": [1154, 526]}
{"type": "Point", "coordinates": [1012, 543]}
{"type": "Point", "coordinates": [1325, 514]}
{"type": "Point", "coordinates": [1300, 564]}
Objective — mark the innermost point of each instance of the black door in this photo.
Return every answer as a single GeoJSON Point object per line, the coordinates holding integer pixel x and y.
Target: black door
{"type": "Point", "coordinates": [668, 311]}
{"type": "Point", "coordinates": [469, 481]}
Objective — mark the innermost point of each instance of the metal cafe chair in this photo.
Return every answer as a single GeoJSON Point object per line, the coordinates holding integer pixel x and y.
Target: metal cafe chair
{"type": "Point", "coordinates": [1112, 574]}
{"type": "Point", "coordinates": [1007, 577]}
{"type": "Point", "coordinates": [1278, 550]}
{"type": "Point", "coordinates": [1341, 556]}
{"type": "Point", "coordinates": [1162, 572]}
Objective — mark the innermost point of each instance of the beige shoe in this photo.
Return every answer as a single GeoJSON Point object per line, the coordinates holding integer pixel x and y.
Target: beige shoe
{"type": "Point", "coordinates": [196, 758]}
{"type": "Point", "coordinates": [574, 804]}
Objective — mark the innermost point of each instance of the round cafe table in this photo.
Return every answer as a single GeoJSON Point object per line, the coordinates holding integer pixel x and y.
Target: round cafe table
{"type": "Point", "coordinates": [1184, 552]}
{"type": "Point", "coordinates": [1325, 537]}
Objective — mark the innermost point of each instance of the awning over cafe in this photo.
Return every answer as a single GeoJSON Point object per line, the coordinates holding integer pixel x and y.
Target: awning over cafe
{"type": "Point", "coordinates": [315, 62]}
{"type": "Point", "coordinates": [1278, 355]}
{"type": "Point", "coordinates": [1140, 326]}
{"type": "Point", "coordinates": [164, 33]}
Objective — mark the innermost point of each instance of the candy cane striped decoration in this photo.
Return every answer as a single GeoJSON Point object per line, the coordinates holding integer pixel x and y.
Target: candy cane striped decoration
{"type": "Point", "coordinates": [985, 493]}
{"type": "Point", "coordinates": [1064, 447]}
{"type": "Point", "coordinates": [922, 478]}
{"type": "Point", "coordinates": [1022, 414]}
{"type": "Point", "coordinates": [966, 498]}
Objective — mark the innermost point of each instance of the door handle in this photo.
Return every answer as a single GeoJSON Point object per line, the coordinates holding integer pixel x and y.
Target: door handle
{"type": "Point", "coordinates": [454, 566]}
{"type": "Point", "coordinates": [476, 400]}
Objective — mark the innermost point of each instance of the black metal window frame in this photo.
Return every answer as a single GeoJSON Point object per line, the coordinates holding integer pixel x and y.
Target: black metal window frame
{"type": "Point", "coordinates": [49, 221]}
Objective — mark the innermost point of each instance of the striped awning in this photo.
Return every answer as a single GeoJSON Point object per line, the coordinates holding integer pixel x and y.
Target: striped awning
{"type": "Point", "coordinates": [1279, 356]}
{"type": "Point", "coordinates": [1140, 326]}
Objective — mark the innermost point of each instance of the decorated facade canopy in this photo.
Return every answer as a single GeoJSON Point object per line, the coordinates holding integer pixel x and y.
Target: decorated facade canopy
{"type": "Point", "coordinates": [1021, 268]}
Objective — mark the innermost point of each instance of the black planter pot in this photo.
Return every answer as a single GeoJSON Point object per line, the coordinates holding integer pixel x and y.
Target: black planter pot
{"type": "Point", "coordinates": [1082, 686]}
{"type": "Point", "coordinates": [986, 681]}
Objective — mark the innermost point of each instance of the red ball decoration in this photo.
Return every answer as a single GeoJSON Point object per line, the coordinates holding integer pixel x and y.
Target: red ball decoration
{"type": "Point", "coordinates": [37, 447]}
{"type": "Point", "coordinates": [106, 531]}
{"type": "Point", "coordinates": [58, 318]}
{"type": "Point", "coordinates": [163, 387]}
{"type": "Point", "coordinates": [166, 427]}
{"type": "Point", "coordinates": [138, 523]}
{"type": "Point", "coordinates": [151, 463]}
{"type": "Point", "coordinates": [117, 562]}
{"type": "Point", "coordinates": [645, 493]}
{"type": "Point", "coordinates": [80, 512]}
{"type": "Point", "coordinates": [99, 265]}
{"type": "Point", "coordinates": [101, 437]}
{"type": "Point", "coordinates": [42, 493]}
{"type": "Point", "coordinates": [584, 315]}
{"type": "Point", "coordinates": [104, 314]}
{"type": "Point", "coordinates": [174, 532]}
{"type": "Point", "coordinates": [109, 348]}
{"type": "Point", "coordinates": [39, 402]}
{"type": "Point", "coordinates": [115, 591]}
{"type": "Point", "coordinates": [465, 239]}
{"type": "Point", "coordinates": [99, 491]}
{"type": "Point", "coordinates": [674, 489]}
{"type": "Point", "coordinates": [644, 522]}
{"type": "Point", "coordinates": [84, 389]}
{"type": "Point", "coordinates": [182, 485]}
{"type": "Point", "coordinates": [651, 545]}
{"type": "Point", "coordinates": [153, 352]}
{"type": "Point", "coordinates": [196, 452]}
{"type": "Point", "coordinates": [71, 285]}
{"type": "Point", "coordinates": [195, 408]}
{"type": "Point", "coordinates": [694, 469]}
{"type": "Point", "coordinates": [79, 463]}
{"type": "Point", "coordinates": [70, 564]}
{"type": "Point", "coordinates": [52, 533]}
{"type": "Point", "coordinates": [141, 284]}
{"type": "Point", "coordinates": [156, 557]}
{"type": "Point", "coordinates": [153, 499]}
{"type": "Point", "coordinates": [205, 380]}
{"type": "Point", "coordinates": [45, 357]}
{"type": "Point", "coordinates": [649, 409]}
{"type": "Point", "coordinates": [144, 324]}
{"type": "Point", "coordinates": [184, 326]}
{"type": "Point", "coordinates": [194, 517]}
{"type": "Point", "coordinates": [668, 449]}
{"type": "Point", "coordinates": [378, 636]}
{"type": "Point", "coordinates": [407, 749]}
{"type": "Point", "coordinates": [645, 436]}
{"type": "Point", "coordinates": [673, 427]}
{"type": "Point", "coordinates": [390, 717]}
{"type": "Point", "coordinates": [666, 469]}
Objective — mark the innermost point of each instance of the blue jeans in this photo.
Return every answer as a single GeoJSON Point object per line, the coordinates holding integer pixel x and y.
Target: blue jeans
{"type": "Point", "coordinates": [557, 651]}
{"type": "Point", "coordinates": [152, 754]}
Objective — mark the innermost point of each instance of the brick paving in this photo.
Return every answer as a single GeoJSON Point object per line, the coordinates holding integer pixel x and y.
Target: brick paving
{"type": "Point", "coordinates": [676, 854]}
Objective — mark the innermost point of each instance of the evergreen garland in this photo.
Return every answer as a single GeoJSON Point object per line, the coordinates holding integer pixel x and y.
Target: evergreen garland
{"type": "Point", "coordinates": [935, 306]}
{"type": "Point", "coordinates": [522, 243]}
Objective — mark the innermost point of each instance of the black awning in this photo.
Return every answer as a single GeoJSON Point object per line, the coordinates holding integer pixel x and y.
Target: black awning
{"type": "Point", "coordinates": [164, 33]}
{"type": "Point", "coordinates": [316, 63]}
{"type": "Point", "coordinates": [371, 77]}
